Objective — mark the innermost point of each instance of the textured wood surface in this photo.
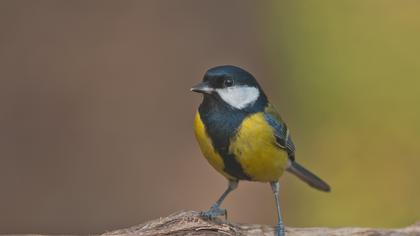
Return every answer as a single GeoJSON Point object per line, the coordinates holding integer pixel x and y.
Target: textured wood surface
{"type": "Point", "coordinates": [190, 223]}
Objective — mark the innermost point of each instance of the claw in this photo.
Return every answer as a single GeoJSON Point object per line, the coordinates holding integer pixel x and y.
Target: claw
{"type": "Point", "coordinates": [214, 212]}
{"type": "Point", "coordinates": [280, 230]}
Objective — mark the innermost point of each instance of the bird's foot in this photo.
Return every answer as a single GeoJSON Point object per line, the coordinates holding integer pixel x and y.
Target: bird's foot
{"type": "Point", "coordinates": [214, 212]}
{"type": "Point", "coordinates": [280, 230]}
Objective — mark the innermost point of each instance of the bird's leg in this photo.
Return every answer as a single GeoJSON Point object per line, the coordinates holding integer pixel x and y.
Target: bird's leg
{"type": "Point", "coordinates": [215, 209]}
{"type": "Point", "coordinates": [275, 186]}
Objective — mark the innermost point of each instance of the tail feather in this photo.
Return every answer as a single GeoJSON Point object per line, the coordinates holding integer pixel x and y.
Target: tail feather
{"type": "Point", "coordinates": [308, 177]}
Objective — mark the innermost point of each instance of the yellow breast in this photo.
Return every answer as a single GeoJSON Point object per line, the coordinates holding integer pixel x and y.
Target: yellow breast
{"type": "Point", "coordinates": [254, 147]}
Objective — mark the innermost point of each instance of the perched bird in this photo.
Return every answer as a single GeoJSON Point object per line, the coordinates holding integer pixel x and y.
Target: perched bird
{"type": "Point", "coordinates": [243, 137]}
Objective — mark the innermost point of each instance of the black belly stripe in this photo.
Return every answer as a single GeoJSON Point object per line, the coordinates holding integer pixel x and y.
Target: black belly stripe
{"type": "Point", "coordinates": [234, 168]}
{"type": "Point", "coordinates": [221, 126]}
{"type": "Point", "coordinates": [221, 122]}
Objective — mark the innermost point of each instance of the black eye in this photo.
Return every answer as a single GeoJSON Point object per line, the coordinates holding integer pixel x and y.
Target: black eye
{"type": "Point", "coordinates": [228, 82]}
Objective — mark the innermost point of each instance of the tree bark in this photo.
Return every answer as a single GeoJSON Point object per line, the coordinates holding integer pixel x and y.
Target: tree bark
{"type": "Point", "coordinates": [190, 223]}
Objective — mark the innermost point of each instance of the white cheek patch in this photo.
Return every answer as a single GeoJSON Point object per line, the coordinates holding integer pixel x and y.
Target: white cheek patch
{"type": "Point", "coordinates": [239, 96]}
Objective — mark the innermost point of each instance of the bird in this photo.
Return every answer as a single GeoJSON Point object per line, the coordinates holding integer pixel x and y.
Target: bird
{"type": "Point", "coordinates": [243, 137]}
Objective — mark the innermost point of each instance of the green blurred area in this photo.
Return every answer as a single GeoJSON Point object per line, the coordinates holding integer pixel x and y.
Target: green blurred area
{"type": "Point", "coordinates": [350, 88]}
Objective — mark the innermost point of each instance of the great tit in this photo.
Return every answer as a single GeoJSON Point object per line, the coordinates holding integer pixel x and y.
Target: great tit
{"type": "Point", "coordinates": [243, 137]}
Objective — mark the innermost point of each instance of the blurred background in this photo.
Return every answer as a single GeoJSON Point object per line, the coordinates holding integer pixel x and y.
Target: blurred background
{"type": "Point", "coordinates": [96, 114]}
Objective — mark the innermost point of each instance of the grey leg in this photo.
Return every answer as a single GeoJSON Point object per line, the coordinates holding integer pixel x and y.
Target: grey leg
{"type": "Point", "coordinates": [275, 186]}
{"type": "Point", "coordinates": [215, 209]}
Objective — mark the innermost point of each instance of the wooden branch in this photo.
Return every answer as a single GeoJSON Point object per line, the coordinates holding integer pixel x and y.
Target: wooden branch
{"type": "Point", "coordinates": [190, 223]}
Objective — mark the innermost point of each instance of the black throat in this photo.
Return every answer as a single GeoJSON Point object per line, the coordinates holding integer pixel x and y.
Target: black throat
{"type": "Point", "coordinates": [222, 122]}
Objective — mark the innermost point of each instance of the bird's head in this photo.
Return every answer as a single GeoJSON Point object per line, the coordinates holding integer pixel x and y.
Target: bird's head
{"type": "Point", "coordinates": [232, 85]}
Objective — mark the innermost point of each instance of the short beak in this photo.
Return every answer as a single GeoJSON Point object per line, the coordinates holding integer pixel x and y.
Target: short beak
{"type": "Point", "coordinates": [202, 87]}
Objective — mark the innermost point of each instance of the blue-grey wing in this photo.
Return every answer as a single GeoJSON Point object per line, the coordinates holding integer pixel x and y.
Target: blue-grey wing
{"type": "Point", "coordinates": [281, 132]}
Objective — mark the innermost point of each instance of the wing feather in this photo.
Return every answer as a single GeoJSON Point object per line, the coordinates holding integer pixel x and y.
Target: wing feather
{"type": "Point", "coordinates": [281, 132]}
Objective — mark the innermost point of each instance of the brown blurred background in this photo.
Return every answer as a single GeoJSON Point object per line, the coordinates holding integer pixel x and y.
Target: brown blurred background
{"type": "Point", "coordinates": [96, 113]}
